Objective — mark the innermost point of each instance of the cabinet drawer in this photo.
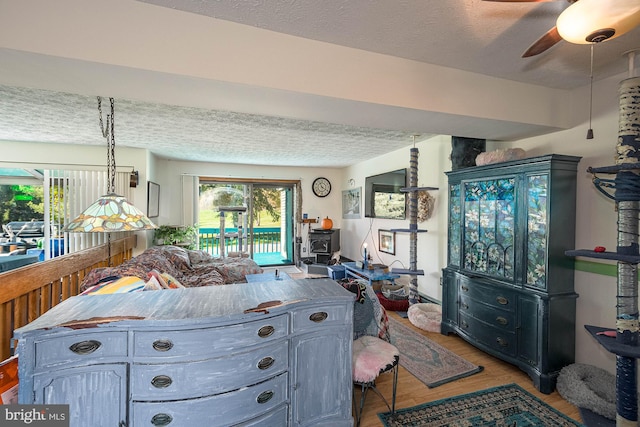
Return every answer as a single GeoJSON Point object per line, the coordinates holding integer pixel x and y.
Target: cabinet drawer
{"type": "Point", "coordinates": [206, 342]}
{"type": "Point", "coordinates": [185, 380]}
{"type": "Point", "coordinates": [319, 317]}
{"type": "Point", "coordinates": [78, 348]}
{"type": "Point", "coordinates": [494, 296]}
{"type": "Point", "coordinates": [500, 340]}
{"type": "Point", "coordinates": [220, 410]}
{"type": "Point", "coordinates": [277, 418]}
{"type": "Point", "coordinates": [501, 319]}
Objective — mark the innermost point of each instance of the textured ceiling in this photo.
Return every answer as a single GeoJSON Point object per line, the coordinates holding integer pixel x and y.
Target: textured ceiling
{"type": "Point", "coordinates": [190, 133]}
{"type": "Point", "coordinates": [486, 38]}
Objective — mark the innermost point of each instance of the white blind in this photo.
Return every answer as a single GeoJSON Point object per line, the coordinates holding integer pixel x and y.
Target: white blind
{"type": "Point", "coordinates": [66, 194]}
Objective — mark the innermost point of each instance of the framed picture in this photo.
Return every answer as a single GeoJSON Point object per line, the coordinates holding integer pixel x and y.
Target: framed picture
{"type": "Point", "coordinates": [387, 241]}
{"type": "Point", "coordinates": [153, 199]}
{"type": "Point", "coordinates": [351, 203]}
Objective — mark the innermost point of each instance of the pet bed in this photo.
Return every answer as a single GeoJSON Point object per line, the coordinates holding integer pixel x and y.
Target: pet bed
{"type": "Point", "coordinates": [589, 387]}
{"type": "Point", "coordinates": [426, 316]}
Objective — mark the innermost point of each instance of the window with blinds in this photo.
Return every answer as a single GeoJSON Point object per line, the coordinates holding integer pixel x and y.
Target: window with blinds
{"type": "Point", "coordinates": [66, 194]}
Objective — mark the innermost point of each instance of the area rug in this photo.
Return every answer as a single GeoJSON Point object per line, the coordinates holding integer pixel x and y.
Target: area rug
{"type": "Point", "coordinates": [427, 360]}
{"type": "Point", "coordinates": [508, 405]}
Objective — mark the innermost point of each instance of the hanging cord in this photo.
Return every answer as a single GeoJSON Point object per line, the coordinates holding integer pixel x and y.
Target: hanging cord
{"type": "Point", "coordinates": [590, 131]}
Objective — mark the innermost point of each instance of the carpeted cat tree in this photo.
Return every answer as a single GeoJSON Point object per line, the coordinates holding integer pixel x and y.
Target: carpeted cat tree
{"type": "Point", "coordinates": [413, 192]}
{"type": "Point", "coordinates": [625, 191]}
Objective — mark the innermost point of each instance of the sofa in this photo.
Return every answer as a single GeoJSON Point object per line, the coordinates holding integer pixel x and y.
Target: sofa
{"type": "Point", "coordinates": [176, 266]}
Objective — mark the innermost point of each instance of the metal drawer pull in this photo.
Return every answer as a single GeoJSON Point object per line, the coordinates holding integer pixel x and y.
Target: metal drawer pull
{"type": "Point", "coordinates": [161, 381]}
{"type": "Point", "coordinates": [266, 331]}
{"type": "Point", "coordinates": [502, 342]}
{"type": "Point", "coordinates": [464, 305]}
{"type": "Point", "coordinates": [502, 300]}
{"type": "Point", "coordinates": [501, 320]}
{"type": "Point", "coordinates": [318, 317]}
{"type": "Point", "coordinates": [161, 419]}
{"type": "Point", "coordinates": [464, 288]}
{"type": "Point", "coordinates": [85, 347]}
{"type": "Point", "coordinates": [266, 363]}
{"type": "Point", "coordinates": [265, 396]}
{"type": "Point", "coordinates": [464, 324]}
{"type": "Point", "coordinates": [162, 345]}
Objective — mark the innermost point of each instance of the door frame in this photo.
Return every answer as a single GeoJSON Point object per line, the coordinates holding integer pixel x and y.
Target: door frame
{"type": "Point", "coordinates": [294, 206]}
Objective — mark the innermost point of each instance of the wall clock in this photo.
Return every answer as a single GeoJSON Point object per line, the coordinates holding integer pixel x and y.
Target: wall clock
{"type": "Point", "coordinates": [321, 187]}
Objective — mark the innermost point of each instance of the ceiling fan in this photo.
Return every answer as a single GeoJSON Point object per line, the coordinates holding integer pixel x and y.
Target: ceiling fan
{"type": "Point", "coordinates": [586, 22]}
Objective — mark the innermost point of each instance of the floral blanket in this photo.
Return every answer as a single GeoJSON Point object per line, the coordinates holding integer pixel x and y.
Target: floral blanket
{"type": "Point", "coordinates": [190, 268]}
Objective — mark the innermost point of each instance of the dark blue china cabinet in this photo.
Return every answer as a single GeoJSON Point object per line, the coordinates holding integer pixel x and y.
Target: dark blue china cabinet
{"type": "Point", "coordinates": [508, 286]}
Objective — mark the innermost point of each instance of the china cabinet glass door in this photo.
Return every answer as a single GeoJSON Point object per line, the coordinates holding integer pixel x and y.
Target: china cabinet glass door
{"type": "Point", "coordinates": [489, 226]}
{"type": "Point", "coordinates": [455, 229]}
{"type": "Point", "coordinates": [537, 188]}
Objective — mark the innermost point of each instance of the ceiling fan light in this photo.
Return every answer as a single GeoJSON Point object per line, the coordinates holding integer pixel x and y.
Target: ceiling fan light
{"type": "Point", "coordinates": [593, 21]}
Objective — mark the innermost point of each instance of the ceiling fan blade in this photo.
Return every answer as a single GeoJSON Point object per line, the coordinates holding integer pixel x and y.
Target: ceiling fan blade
{"type": "Point", "coordinates": [543, 43]}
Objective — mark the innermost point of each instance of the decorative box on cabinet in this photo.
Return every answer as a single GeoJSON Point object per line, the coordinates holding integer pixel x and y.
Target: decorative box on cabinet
{"type": "Point", "coordinates": [508, 286]}
{"type": "Point", "coordinates": [193, 357]}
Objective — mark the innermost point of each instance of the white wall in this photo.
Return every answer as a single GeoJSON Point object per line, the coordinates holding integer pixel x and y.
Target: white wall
{"type": "Point", "coordinates": [432, 161]}
{"type": "Point", "coordinates": [596, 219]}
{"type": "Point", "coordinates": [169, 174]}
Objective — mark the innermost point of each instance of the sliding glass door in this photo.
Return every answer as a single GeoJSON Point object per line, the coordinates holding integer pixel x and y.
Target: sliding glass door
{"type": "Point", "coordinates": [247, 218]}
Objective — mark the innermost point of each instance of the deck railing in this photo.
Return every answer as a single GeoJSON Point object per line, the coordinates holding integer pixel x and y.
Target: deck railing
{"type": "Point", "coordinates": [265, 240]}
{"type": "Point", "coordinates": [30, 291]}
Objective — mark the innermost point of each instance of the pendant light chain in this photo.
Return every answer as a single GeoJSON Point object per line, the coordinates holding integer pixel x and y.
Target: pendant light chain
{"type": "Point", "coordinates": [111, 212]}
{"type": "Point", "coordinates": [108, 134]}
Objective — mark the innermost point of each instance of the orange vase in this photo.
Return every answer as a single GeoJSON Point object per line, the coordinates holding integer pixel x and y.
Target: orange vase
{"type": "Point", "coordinates": [326, 223]}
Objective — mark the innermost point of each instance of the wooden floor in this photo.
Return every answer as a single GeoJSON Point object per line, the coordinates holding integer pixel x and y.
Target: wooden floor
{"type": "Point", "coordinates": [412, 391]}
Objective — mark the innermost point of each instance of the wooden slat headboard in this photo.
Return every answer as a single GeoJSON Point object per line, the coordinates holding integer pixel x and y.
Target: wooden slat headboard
{"type": "Point", "coordinates": [28, 292]}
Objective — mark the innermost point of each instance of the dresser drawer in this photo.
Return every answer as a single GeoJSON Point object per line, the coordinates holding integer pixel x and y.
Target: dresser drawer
{"type": "Point", "coordinates": [501, 319]}
{"type": "Point", "coordinates": [277, 418]}
{"type": "Point", "coordinates": [224, 409]}
{"type": "Point", "coordinates": [319, 317]}
{"type": "Point", "coordinates": [500, 340]}
{"type": "Point", "coordinates": [79, 348]}
{"type": "Point", "coordinates": [502, 298]}
{"type": "Point", "coordinates": [206, 342]}
{"type": "Point", "coordinates": [185, 380]}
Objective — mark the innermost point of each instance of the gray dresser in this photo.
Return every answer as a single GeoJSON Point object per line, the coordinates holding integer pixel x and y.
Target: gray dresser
{"type": "Point", "coordinates": [194, 357]}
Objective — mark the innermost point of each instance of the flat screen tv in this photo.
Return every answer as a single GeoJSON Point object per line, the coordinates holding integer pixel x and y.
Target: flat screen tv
{"type": "Point", "coordinates": [382, 195]}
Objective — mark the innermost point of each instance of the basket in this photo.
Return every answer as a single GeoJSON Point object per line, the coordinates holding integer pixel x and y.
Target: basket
{"type": "Point", "coordinates": [393, 305]}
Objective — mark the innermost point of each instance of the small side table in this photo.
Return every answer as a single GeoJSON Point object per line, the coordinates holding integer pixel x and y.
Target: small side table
{"type": "Point", "coordinates": [267, 277]}
{"type": "Point", "coordinates": [370, 275]}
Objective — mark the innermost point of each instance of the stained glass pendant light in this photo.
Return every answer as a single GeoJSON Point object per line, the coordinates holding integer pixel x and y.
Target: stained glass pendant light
{"type": "Point", "coordinates": [111, 212]}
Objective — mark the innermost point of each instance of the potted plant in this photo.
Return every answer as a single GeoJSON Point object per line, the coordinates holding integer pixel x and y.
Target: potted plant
{"type": "Point", "coordinates": [183, 235]}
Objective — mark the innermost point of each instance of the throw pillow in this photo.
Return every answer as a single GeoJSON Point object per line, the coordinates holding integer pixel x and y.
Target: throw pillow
{"type": "Point", "coordinates": [122, 285]}
{"type": "Point", "coordinates": [172, 282]}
